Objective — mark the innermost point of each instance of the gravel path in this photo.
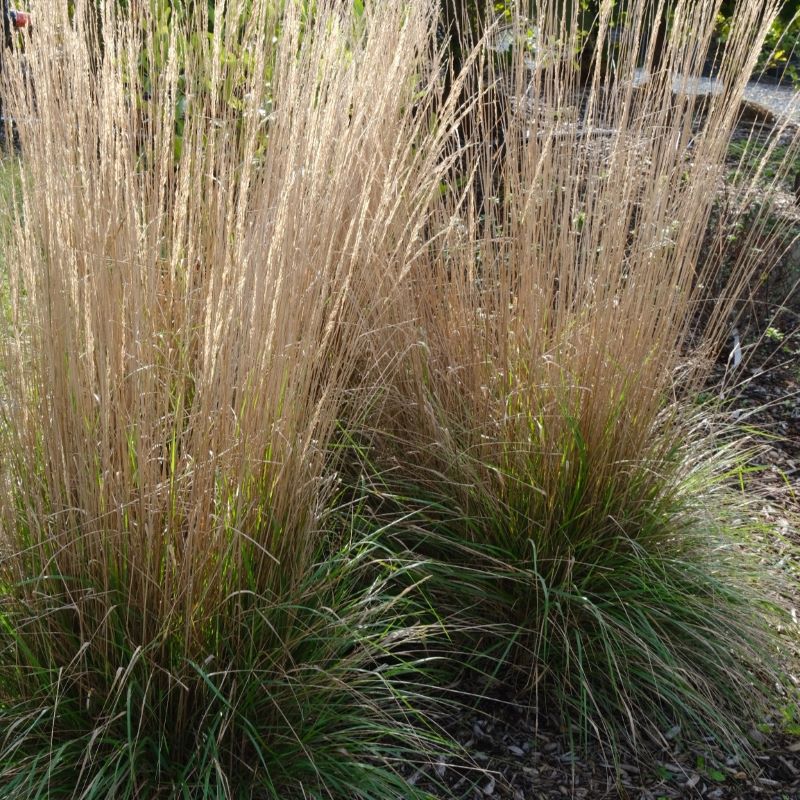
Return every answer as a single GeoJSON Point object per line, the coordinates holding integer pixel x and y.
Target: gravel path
{"type": "Point", "coordinates": [783, 101]}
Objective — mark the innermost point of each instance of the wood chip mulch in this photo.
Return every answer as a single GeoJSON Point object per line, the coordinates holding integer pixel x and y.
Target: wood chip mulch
{"type": "Point", "coordinates": [509, 753]}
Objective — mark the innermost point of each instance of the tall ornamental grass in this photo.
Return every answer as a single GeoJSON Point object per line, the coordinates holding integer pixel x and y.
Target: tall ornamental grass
{"type": "Point", "coordinates": [320, 359]}
{"type": "Point", "coordinates": [572, 501]}
{"type": "Point", "coordinates": [211, 208]}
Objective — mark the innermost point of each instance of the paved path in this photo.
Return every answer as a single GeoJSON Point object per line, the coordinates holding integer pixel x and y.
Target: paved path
{"type": "Point", "coordinates": [780, 100]}
{"type": "Point", "coordinates": [783, 101]}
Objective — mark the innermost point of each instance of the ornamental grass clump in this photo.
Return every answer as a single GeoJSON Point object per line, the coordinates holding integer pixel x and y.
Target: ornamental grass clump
{"type": "Point", "coordinates": [209, 209]}
{"type": "Point", "coordinates": [571, 499]}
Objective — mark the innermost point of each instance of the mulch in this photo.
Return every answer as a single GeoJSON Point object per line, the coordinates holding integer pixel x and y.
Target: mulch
{"type": "Point", "coordinates": [510, 752]}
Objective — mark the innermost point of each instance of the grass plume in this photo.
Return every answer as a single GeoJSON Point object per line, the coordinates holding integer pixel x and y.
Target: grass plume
{"type": "Point", "coordinates": [283, 278]}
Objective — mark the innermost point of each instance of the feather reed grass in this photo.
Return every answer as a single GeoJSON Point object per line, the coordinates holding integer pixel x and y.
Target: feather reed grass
{"type": "Point", "coordinates": [290, 304]}
{"type": "Point", "coordinates": [208, 220]}
{"type": "Point", "coordinates": [541, 424]}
